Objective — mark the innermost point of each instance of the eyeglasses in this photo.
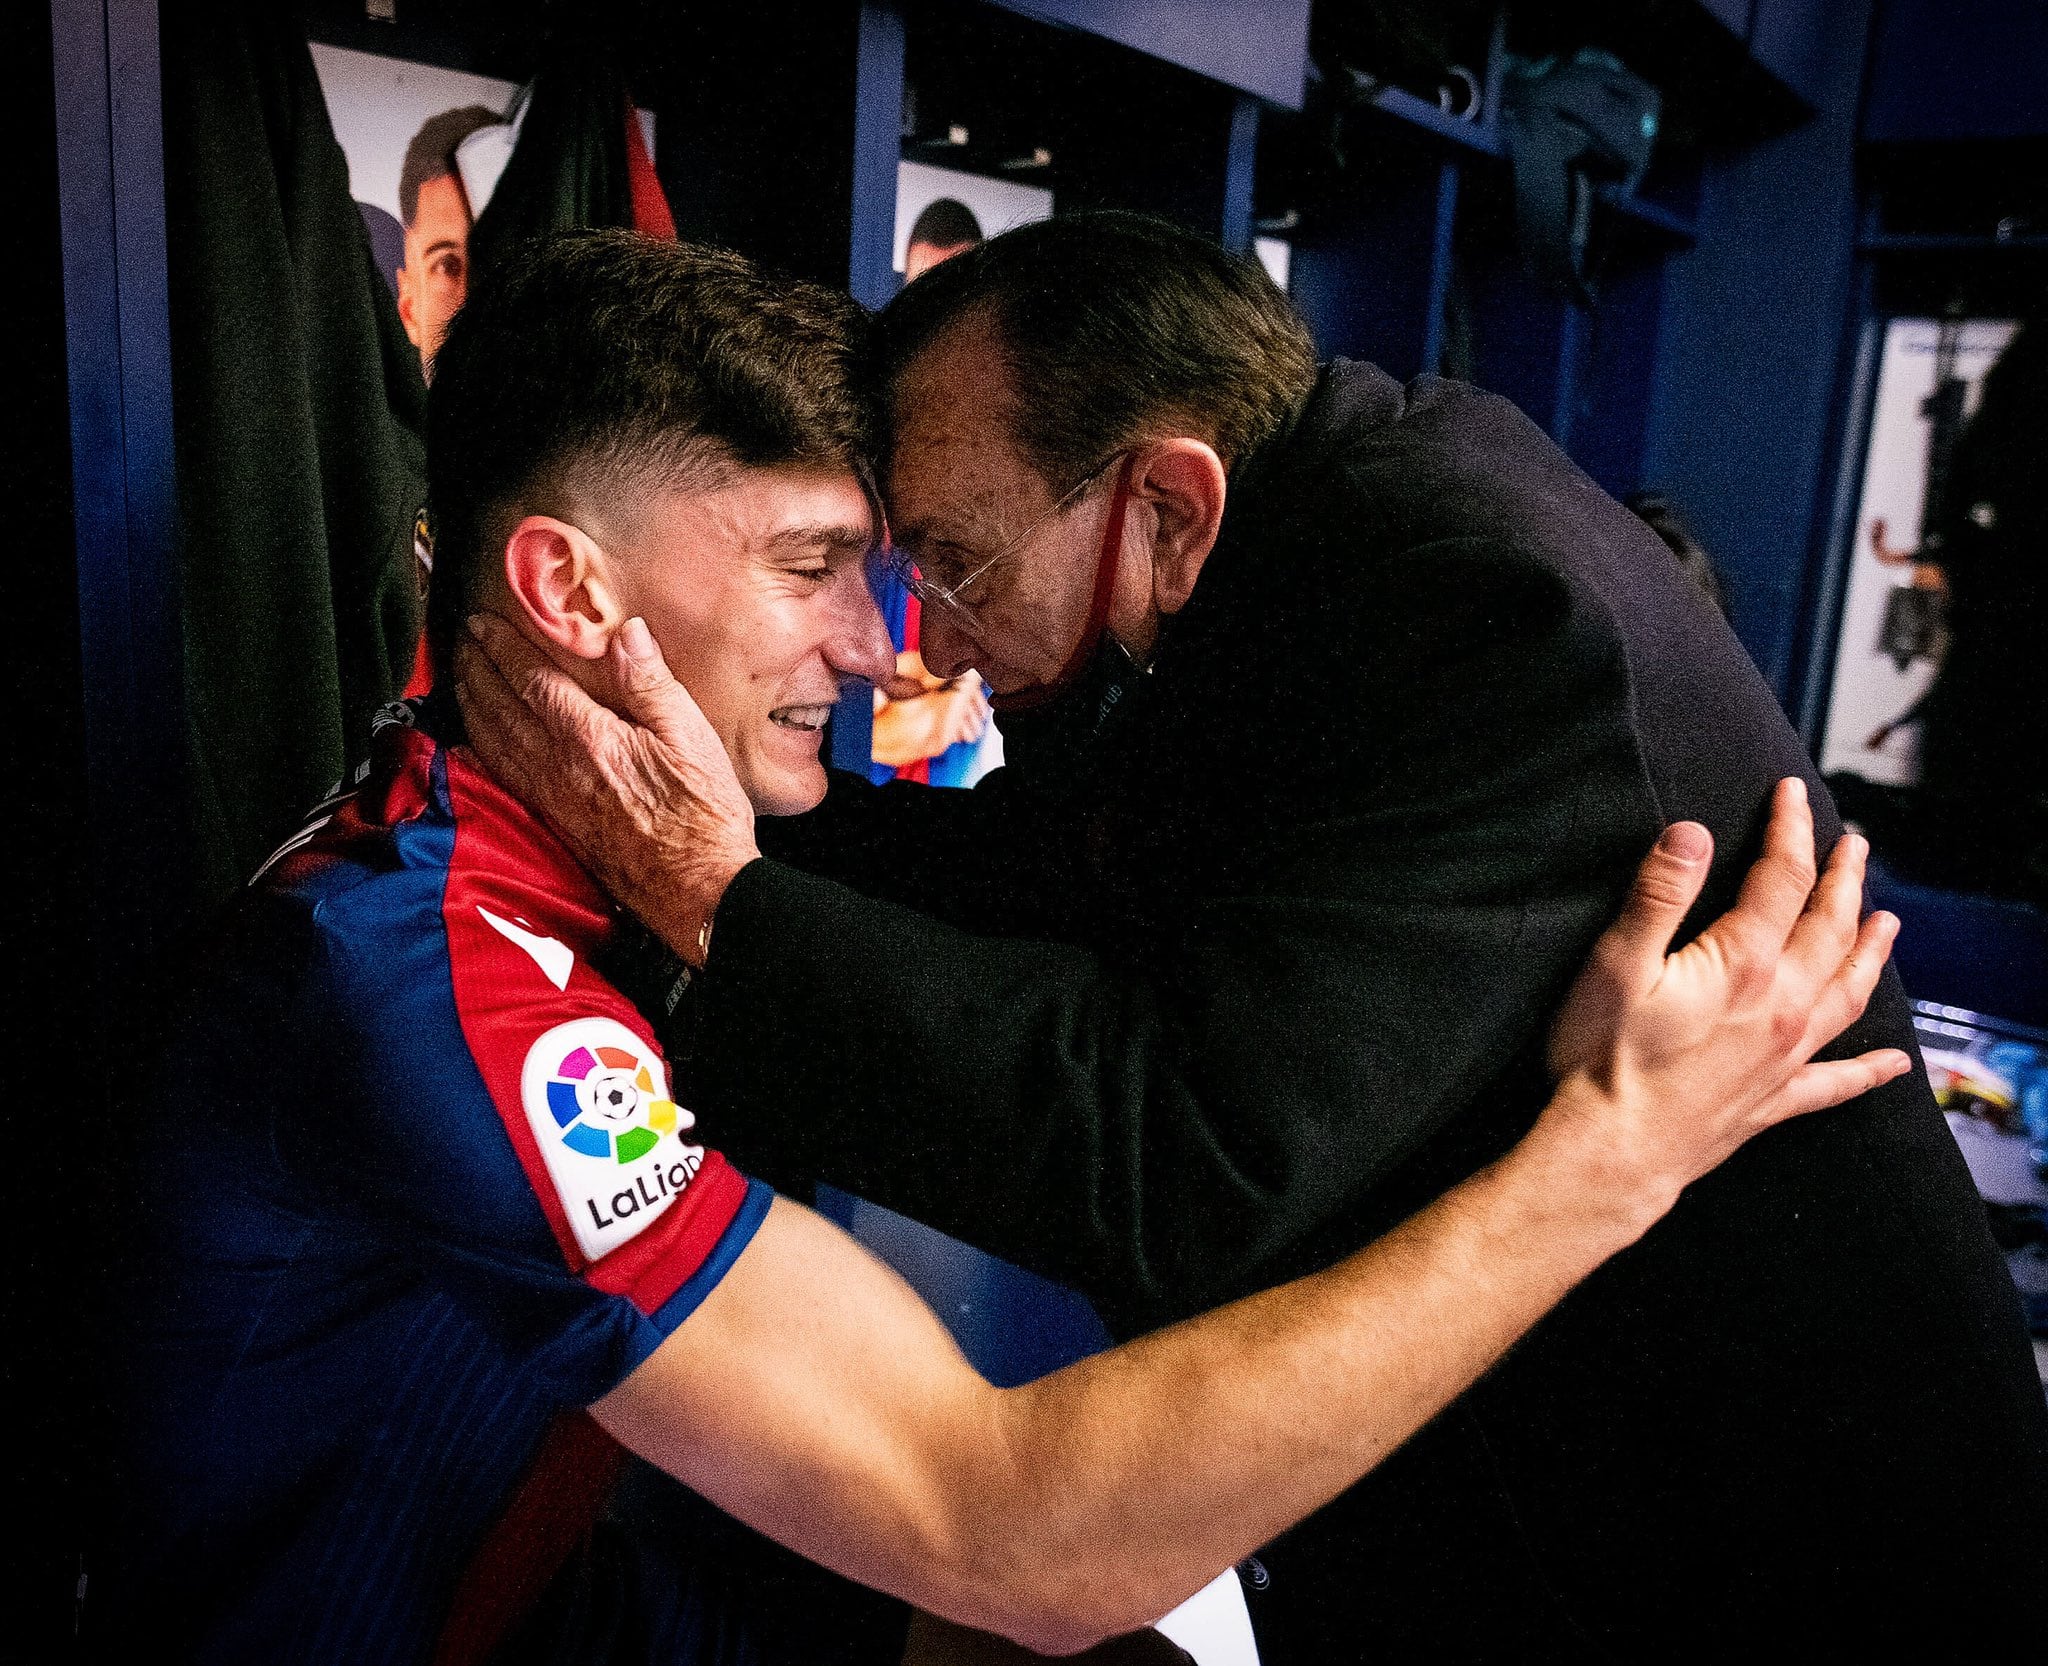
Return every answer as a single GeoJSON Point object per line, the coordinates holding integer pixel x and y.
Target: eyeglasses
{"type": "Point", "coordinates": [929, 591]}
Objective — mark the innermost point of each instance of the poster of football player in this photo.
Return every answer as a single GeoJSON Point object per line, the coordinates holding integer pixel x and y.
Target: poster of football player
{"type": "Point", "coordinates": [976, 207]}
{"type": "Point", "coordinates": [425, 147]}
{"type": "Point", "coordinates": [1892, 635]}
{"type": "Point", "coordinates": [407, 131]}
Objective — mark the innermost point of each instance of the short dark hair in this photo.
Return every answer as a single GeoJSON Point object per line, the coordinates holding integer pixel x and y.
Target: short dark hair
{"type": "Point", "coordinates": [1112, 324]}
{"type": "Point", "coordinates": [432, 152]}
{"type": "Point", "coordinates": [605, 362]}
{"type": "Point", "coordinates": [946, 223]}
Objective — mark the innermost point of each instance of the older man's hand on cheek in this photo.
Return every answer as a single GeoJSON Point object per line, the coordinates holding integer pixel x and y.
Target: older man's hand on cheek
{"type": "Point", "coordinates": [637, 783]}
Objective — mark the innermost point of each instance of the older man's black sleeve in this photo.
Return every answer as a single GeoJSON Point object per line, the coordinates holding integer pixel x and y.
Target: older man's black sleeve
{"type": "Point", "coordinates": [1343, 892]}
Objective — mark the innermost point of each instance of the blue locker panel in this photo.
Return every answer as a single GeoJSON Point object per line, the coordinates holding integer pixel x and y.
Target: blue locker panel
{"type": "Point", "coordinates": [1523, 338]}
{"type": "Point", "coordinates": [1733, 15]}
{"type": "Point", "coordinates": [1121, 129]}
{"type": "Point", "coordinates": [1789, 38]}
{"type": "Point", "coordinates": [1610, 411]}
{"type": "Point", "coordinates": [1367, 282]}
{"type": "Point", "coordinates": [1256, 46]}
{"type": "Point", "coordinates": [1750, 347]}
{"type": "Point", "coordinates": [109, 149]}
{"type": "Point", "coordinates": [877, 142]}
{"type": "Point", "coordinates": [1519, 342]}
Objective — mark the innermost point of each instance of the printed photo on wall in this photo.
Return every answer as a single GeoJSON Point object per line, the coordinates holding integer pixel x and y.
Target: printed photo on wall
{"type": "Point", "coordinates": [417, 138]}
{"type": "Point", "coordinates": [1937, 736]}
{"type": "Point", "coordinates": [1276, 254]}
{"type": "Point", "coordinates": [940, 211]}
{"type": "Point", "coordinates": [1894, 634]}
{"type": "Point", "coordinates": [425, 149]}
{"type": "Point", "coordinates": [928, 728]}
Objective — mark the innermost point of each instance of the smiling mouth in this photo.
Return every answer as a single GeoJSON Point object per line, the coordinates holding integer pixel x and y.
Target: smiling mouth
{"type": "Point", "coordinates": [806, 720]}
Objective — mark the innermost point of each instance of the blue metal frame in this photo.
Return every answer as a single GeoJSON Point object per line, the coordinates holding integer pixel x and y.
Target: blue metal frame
{"type": "Point", "coordinates": [1239, 174]}
{"type": "Point", "coordinates": [1837, 544]}
{"type": "Point", "coordinates": [877, 146]}
{"type": "Point", "coordinates": [1564, 398]}
{"type": "Point", "coordinates": [1256, 46]}
{"type": "Point", "coordinates": [110, 168]}
{"type": "Point", "coordinates": [870, 272]}
{"type": "Point", "coordinates": [1443, 256]}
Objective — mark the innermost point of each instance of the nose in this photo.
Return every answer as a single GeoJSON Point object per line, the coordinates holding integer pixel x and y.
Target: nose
{"type": "Point", "coordinates": [859, 645]}
{"type": "Point", "coordinates": [947, 649]}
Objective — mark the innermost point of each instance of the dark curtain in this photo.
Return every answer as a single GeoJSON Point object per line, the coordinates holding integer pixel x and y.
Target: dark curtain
{"type": "Point", "coordinates": [569, 167]}
{"type": "Point", "coordinates": [298, 416]}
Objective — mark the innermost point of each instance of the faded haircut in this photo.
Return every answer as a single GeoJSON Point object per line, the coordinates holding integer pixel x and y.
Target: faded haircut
{"type": "Point", "coordinates": [593, 365]}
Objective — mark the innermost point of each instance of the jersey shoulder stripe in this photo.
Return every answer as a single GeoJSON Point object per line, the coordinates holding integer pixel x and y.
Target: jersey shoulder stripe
{"type": "Point", "coordinates": [572, 1067]}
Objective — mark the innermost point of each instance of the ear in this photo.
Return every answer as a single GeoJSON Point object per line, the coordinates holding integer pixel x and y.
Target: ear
{"type": "Point", "coordinates": [562, 586]}
{"type": "Point", "coordinates": [408, 303]}
{"type": "Point", "coordinates": [1184, 483]}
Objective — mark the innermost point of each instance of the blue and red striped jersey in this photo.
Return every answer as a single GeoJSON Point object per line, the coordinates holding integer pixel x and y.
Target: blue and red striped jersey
{"type": "Point", "coordinates": [419, 1193]}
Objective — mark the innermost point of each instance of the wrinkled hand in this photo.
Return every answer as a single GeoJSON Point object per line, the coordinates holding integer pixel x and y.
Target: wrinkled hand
{"type": "Point", "coordinates": [643, 794]}
{"type": "Point", "coordinates": [1669, 1062]}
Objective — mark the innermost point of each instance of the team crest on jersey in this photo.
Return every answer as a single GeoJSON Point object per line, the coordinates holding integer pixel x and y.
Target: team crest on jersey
{"type": "Point", "coordinates": [597, 1098]}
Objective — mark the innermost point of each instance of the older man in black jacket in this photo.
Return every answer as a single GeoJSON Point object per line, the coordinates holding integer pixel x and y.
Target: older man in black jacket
{"type": "Point", "coordinates": [1354, 705]}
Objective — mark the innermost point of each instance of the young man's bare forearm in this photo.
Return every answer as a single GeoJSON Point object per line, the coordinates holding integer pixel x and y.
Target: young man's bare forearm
{"type": "Point", "coordinates": [814, 1397]}
{"type": "Point", "coordinates": [1131, 1479]}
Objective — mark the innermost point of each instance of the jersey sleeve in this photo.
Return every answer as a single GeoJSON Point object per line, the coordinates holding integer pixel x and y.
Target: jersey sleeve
{"type": "Point", "coordinates": [509, 1123]}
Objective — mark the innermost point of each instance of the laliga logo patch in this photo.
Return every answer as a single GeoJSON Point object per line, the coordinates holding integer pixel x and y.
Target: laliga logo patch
{"type": "Point", "coordinates": [598, 1102]}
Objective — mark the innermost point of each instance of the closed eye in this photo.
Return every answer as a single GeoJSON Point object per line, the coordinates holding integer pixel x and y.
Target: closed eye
{"type": "Point", "coordinates": [817, 552]}
{"type": "Point", "coordinates": [943, 564]}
